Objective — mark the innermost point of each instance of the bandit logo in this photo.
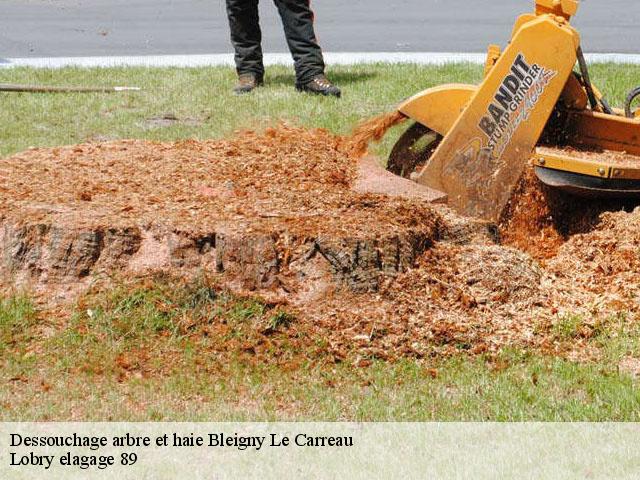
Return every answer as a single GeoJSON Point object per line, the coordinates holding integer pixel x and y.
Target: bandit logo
{"type": "Point", "coordinates": [517, 96]}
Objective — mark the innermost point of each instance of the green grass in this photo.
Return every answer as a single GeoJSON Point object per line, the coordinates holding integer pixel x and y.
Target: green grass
{"type": "Point", "coordinates": [168, 351]}
{"type": "Point", "coordinates": [17, 315]}
{"type": "Point", "coordinates": [161, 351]}
{"type": "Point", "coordinates": [202, 98]}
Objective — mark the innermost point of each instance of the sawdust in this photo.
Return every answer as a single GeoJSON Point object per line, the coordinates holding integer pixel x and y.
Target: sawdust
{"type": "Point", "coordinates": [539, 220]}
{"type": "Point", "coordinates": [371, 130]}
{"type": "Point", "coordinates": [558, 255]}
{"type": "Point", "coordinates": [612, 157]}
{"type": "Point", "coordinates": [285, 175]}
{"type": "Point", "coordinates": [481, 298]}
{"type": "Point", "coordinates": [606, 260]}
{"type": "Point", "coordinates": [528, 221]}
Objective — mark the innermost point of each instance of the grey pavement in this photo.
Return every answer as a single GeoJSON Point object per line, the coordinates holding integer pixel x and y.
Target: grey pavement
{"type": "Point", "coordinates": [55, 28]}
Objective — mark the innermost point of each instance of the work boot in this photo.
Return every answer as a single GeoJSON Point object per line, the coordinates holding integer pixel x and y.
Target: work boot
{"type": "Point", "coordinates": [320, 85]}
{"type": "Point", "coordinates": [247, 83]}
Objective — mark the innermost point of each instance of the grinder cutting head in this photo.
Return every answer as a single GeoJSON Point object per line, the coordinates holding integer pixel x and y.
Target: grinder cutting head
{"type": "Point", "coordinates": [473, 142]}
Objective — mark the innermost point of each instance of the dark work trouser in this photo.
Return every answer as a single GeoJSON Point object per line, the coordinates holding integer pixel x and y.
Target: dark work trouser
{"type": "Point", "coordinates": [297, 19]}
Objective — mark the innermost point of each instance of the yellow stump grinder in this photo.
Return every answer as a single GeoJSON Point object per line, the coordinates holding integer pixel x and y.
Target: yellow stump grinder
{"type": "Point", "coordinates": [474, 142]}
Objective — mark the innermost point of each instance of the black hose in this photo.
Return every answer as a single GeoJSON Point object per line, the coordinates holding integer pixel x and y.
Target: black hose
{"type": "Point", "coordinates": [588, 86]}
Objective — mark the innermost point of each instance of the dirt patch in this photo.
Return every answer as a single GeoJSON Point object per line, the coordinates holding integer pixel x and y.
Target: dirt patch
{"type": "Point", "coordinates": [630, 366]}
{"type": "Point", "coordinates": [170, 119]}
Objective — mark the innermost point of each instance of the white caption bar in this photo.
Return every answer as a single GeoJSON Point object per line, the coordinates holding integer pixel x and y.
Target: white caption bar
{"type": "Point", "coordinates": [318, 450]}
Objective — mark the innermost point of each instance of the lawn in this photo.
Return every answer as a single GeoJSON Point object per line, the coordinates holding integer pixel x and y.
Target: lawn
{"type": "Point", "coordinates": [165, 350]}
{"type": "Point", "coordinates": [200, 100]}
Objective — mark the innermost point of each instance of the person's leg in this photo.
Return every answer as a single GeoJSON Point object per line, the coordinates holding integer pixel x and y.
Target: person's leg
{"type": "Point", "coordinates": [297, 19]}
{"type": "Point", "coordinates": [246, 36]}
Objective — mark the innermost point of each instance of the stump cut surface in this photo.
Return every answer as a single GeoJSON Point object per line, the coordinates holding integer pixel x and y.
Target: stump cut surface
{"type": "Point", "coordinates": [249, 207]}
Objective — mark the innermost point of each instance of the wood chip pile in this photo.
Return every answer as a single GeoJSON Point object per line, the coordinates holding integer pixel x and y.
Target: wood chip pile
{"type": "Point", "coordinates": [284, 174]}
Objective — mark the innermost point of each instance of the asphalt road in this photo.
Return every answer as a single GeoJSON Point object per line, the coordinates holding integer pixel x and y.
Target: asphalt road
{"type": "Point", "coordinates": [54, 28]}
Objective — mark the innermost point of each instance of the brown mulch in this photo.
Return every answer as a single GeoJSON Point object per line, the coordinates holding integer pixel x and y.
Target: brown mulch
{"type": "Point", "coordinates": [539, 220]}
{"type": "Point", "coordinates": [285, 175]}
{"type": "Point", "coordinates": [482, 298]}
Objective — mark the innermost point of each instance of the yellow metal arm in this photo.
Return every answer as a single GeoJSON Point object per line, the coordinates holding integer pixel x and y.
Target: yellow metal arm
{"type": "Point", "coordinates": [564, 8]}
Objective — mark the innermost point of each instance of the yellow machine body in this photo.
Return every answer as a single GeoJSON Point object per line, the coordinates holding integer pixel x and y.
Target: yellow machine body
{"type": "Point", "coordinates": [439, 107]}
{"type": "Point", "coordinates": [490, 132]}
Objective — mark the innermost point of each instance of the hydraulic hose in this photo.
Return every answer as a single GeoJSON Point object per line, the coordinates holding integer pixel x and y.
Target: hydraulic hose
{"type": "Point", "coordinates": [584, 70]}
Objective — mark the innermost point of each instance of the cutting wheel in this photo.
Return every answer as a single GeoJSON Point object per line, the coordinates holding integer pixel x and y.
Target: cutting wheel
{"type": "Point", "coordinates": [588, 186]}
{"type": "Point", "coordinates": [413, 150]}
